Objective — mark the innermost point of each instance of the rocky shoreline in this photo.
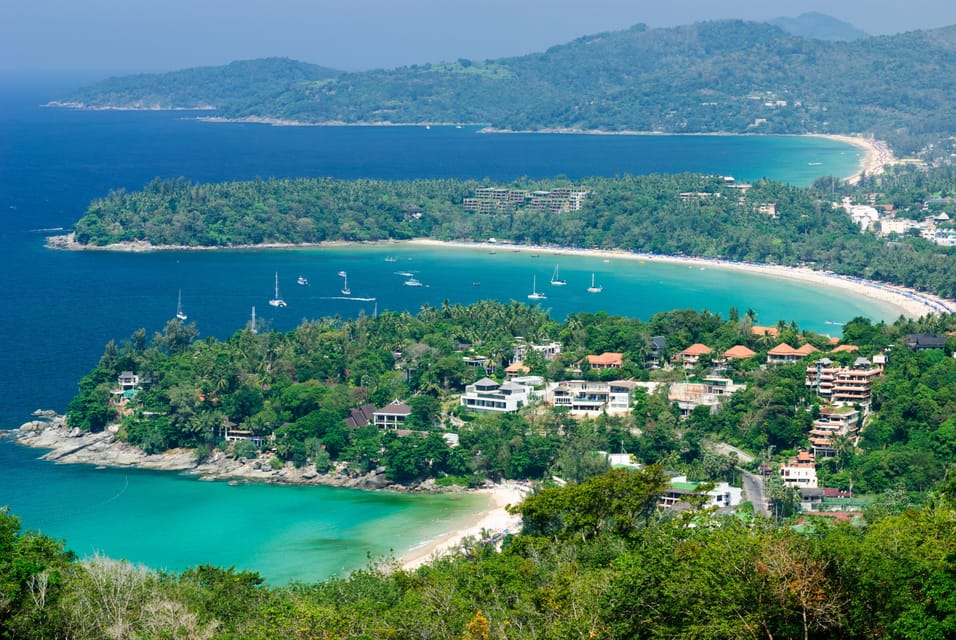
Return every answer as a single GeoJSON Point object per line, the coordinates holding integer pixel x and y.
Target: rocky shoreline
{"type": "Point", "coordinates": [66, 445]}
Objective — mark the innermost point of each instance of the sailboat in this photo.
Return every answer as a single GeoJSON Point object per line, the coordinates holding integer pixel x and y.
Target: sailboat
{"type": "Point", "coordinates": [556, 280]}
{"type": "Point", "coordinates": [179, 307]}
{"type": "Point", "coordinates": [252, 323]}
{"type": "Point", "coordinates": [345, 285]}
{"type": "Point", "coordinates": [277, 301]}
{"type": "Point", "coordinates": [595, 288]}
{"type": "Point", "coordinates": [534, 295]}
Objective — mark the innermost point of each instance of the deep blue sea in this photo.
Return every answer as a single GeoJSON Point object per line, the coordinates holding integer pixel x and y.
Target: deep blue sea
{"type": "Point", "coordinates": [60, 308]}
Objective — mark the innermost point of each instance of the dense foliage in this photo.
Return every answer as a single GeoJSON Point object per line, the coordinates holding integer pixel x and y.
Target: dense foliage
{"type": "Point", "coordinates": [728, 76]}
{"type": "Point", "coordinates": [637, 213]}
{"type": "Point", "coordinates": [295, 390]}
{"type": "Point", "coordinates": [594, 560]}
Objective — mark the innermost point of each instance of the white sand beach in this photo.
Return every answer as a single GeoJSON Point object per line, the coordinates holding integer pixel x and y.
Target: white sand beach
{"type": "Point", "coordinates": [910, 303]}
{"type": "Point", "coordinates": [877, 155]}
{"type": "Point", "coordinates": [493, 521]}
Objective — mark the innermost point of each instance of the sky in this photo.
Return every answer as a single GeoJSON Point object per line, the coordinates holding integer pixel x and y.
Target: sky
{"type": "Point", "coordinates": [351, 35]}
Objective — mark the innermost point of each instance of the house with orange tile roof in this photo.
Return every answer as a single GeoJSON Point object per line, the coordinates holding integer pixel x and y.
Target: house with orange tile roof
{"type": "Point", "coordinates": [772, 332]}
{"type": "Point", "coordinates": [739, 352]}
{"type": "Point", "coordinates": [783, 353]}
{"type": "Point", "coordinates": [692, 355]}
{"type": "Point", "coordinates": [517, 369]}
{"type": "Point", "coordinates": [800, 472]}
{"type": "Point", "coordinates": [807, 349]}
{"type": "Point", "coordinates": [607, 360]}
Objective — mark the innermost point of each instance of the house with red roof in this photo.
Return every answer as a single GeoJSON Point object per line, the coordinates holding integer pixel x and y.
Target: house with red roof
{"type": "Point", "coordinates": [783, 353]}
{"type": "Point", "coordinates": [772, 332]}
{"type": "Point", "coordinates": [607, 360]}
{"type": "Point", "coordinates": [739, 352]}
{"type": "Point", "coordinates": [693, 355]}
{"type": "Point", "coordinates": [800, 472]}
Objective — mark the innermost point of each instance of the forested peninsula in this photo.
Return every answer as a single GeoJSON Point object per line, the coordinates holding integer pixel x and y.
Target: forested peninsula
{"type": "Point", "coordinates": [722, 76]}
{"type": "Point", "coordinates": [683, 214]}
{"type": "Point", "coordinates": [597, 558]}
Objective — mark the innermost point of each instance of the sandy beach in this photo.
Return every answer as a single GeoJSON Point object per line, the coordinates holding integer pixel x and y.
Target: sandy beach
{"type": "Point", "coordinates": [488, 524]}
{"type": "Point", "coordinates": [876, 154]}
{"type": "Point", "coordinates": [910, 303]}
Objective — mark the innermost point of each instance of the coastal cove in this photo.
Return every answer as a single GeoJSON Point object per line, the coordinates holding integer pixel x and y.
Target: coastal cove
{"type": "Point", "coordinates": [64, 306]}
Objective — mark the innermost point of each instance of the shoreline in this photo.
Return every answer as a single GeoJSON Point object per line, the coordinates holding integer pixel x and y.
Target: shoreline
{"type": "Point", "coordinates": [63, 445]}
{"type": "Point", "coordinates": [909, 302]}
{"type": "Point", "coordinates": [486, 526]}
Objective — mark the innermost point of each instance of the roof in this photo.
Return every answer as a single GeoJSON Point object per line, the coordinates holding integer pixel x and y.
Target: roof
{"type": "Point", "coordinates": [773, 332]}
{"type": "Point", "coordinates": [659, 342]}
{"type": "Point", "coordinates": [925, 341]}
{"type": "Point", "coordinates": [630, 384]}
{"type": "Point", "coordinates": [486, 382]}
{"type": "Point", "coordinates": [739, 351]}
{"type": "Point", "coordinates": [696, 349]}
{"type": "Point", "coordinates": [360, 416]}
{"type": "Point", "coordinates": [397, 408]}
{"type": "Point", "coordinates": [807, 349]}
{"type": "Point", "coordinates": [607, 357]}
{"type": "Point", "coordinates": [783, 349]}
{"type": "Point", "coordinates": [512, 386]}
{"type": "Point", "coordinates": [517, 367]}
{"type": "Point", "coordinates": [845, 348]}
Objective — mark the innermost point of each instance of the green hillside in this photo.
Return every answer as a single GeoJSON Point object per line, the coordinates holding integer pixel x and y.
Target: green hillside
{"type": "Point", "coordinates": [236, 83]}
{"type": "Point", "coordinates": [729, 76]}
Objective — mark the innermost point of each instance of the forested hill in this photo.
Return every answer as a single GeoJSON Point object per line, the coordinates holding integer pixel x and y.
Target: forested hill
{"type": "Point", "coordinates": [238, 84]}
{"type": "Point", "coordinates": [729, 76]}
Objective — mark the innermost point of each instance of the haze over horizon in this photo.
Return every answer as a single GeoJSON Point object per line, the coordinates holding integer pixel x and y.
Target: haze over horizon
{"type": "Point", "coordinates": [136, 36]}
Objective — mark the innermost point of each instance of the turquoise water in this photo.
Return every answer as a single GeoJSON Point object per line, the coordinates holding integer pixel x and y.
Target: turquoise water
{"type": "Point", "coordinates": [60, 308]}
{"type": "Point", "coordinates": [170, 521]}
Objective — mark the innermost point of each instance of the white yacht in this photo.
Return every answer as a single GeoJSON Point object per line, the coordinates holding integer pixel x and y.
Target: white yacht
{"type": "Point", "coordinates": [535, 295]}
{"type": "Point", "coordinates": [595, 288]}
{"type": "Point", "coordinates": [179, 307]}
{"type": "Point", "coordinates": [277, 301]}
{"type": "Point", "coordinates": [556, 280]}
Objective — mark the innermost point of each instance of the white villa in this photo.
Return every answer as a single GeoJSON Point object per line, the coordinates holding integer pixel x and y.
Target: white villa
{"type": "Point", "coordinates": [587, 398]}
{"type": "Point", "coordinates": [486, 395]}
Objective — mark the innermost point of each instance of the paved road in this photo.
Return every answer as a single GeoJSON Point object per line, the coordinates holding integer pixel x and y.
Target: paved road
{"type": "Point", "coordinates": [724, 449]}
{"type": "Point", "coordinates": [753, 489]}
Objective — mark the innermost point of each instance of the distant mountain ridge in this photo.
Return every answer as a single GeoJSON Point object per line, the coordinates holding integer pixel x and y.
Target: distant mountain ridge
{"type": "Point", "coordinates": [820, 27]}
{"type": "Point", "coordinates": [723, 76]}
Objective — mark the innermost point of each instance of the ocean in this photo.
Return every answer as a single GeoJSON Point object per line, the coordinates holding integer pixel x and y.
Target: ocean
{"type": "Point", "coordinates": [60, 308]}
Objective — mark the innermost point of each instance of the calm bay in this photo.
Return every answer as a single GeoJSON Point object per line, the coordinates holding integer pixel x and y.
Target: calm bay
{"type": "Point", "coordinates": [60, 308]}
